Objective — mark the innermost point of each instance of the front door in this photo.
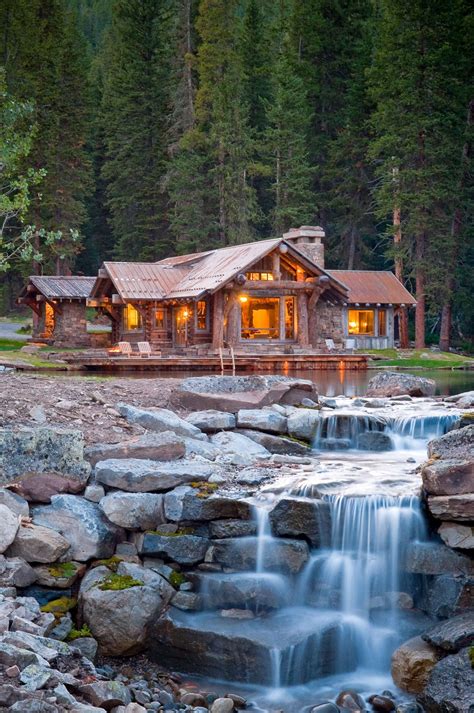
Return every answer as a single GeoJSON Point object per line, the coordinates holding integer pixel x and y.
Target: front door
{"type": "Point", "coordinates": [180, 326]}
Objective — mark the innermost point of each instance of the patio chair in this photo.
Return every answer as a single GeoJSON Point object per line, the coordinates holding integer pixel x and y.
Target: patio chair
{"type": "Point", "coordinates": [350, 345]}
{"type": "Point", "coordinates": [145, 350]}
{"type": "Point", "coordinates": [330, 346]}
{"type": "Point", "coordinates": [125, 349]}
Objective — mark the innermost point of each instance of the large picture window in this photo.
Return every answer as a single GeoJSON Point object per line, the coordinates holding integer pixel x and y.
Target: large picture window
{"type": "Point", "coordinates": [132, 319]}
{"type": "Point", "coordinates": [361, 321]}
{"type": "Point", "coordinates": [261, 318]}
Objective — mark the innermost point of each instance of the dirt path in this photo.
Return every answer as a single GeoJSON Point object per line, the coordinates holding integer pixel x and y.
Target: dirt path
{"type": "Point", "coordinates": [75, 402]}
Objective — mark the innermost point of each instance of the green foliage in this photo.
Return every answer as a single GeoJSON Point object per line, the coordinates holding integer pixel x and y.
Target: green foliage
{"type": "Point", "coordinates": [59, 606]}
{"type": "Point", "coordinates": [62, 569]}
{"type": "Point", "coordinates": [84, 632]}
{"type": "Point", "coordinates": [471, 655]}
{"type": "Point", "coordinates": [112, 563]}
{"type": "Point", "coordinates": [176, 579]}
{"type": "Point", "coordinates": [116, 582]}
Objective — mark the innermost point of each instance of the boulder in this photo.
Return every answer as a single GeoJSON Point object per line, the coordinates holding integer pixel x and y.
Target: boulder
{"type": "Point", "coordinates": [231, 393]}
{"type": "Point", "coordinates": [61, 575]}
{"type": "Point", "coordinates": [232, 528]}
{"type": "Point", "coordinates": [452, 507]}
{"type": "Point", "coordinates": [83, 524]}
{"type": "Point", "coordinates": [186, 503]}
{"type": "Point", "coordinates": [457, 444]}
{"type": "Point", "coordinates": [374, 441]}
{"type": "Point", "coordinates": [9, 524]}
{"type": "Point", "coordinates": [106, 694]}
{"type": "Point", "coordinates": [447, 595]}
{"type": "Point", "coordinates": [15, 572]}
{"type": "Point", "coordinates": [163, 446]}
{"type": "Point", "coordinates": [40, 487]}
{"type": "Point", "coordinates": [265, 419]}
{"type": "Point", "coordinates": [145, 476]}
{"type": "Point", "coordinates": [412, 664]}
{"type": "Point", "coordinates": [119, 619]}
{"type": "Point", "coordinates": [302, 517]}
{"type": "Point", "coordinates": [159, 419]}
{"type": "Point", "coordinates": [453, 634]}
{"type": "Point", "coordinates": [284, 555]}
{"type": "Point", "coordinates": [450, 685]}
{"type": "Point", "coordinates": [200, 448]}
{"type": "Point", "coordinates": [14, 502]}
{"type": "Point", "coordinates": [433, 558]}
{"type": "Point", "coordinates": [133, 511]}
{"type": "Point", "coordinates": [276, 444]}
{"type": "Point", "coordinates": [255, 592]}
{"type": "Point", "coordinates": [230, 442]}
{"type": "Point", "coordinates": [34, 543]}
{"type": "Point", "coordinates": [211, 421]}
{"type": "Point", "coordinates": [182, 548]}
{"type": "Point", "coordinates": [350, 700]}
{"type": "Point", "coordinates": [41, 450]}
{"type": "Point", "coordinates": [303, 424]}
{"type": "Point", "coordinates": [448, 477]}
{"type": "Point", "coordinates": [394, 383]}
{"type": "Point", "coordinates": [454, 534]}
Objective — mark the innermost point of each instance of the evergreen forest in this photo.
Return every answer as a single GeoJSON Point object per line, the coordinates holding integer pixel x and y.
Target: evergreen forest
{"type": "Point", "coordinates": [137, 129]}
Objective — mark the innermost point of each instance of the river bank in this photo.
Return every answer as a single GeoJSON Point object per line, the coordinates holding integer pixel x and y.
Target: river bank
{"type": "Point", "coordinates": [277, 541]}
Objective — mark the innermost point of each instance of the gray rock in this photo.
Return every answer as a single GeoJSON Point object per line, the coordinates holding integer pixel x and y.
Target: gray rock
{"type": "Point", "coordinates": [163, 446]}
{"type": "Point", "coordinates": [232, 528]}
{"type": "Point", "coordinates": [251, 591]}
{"type": "Point", "coordinates": [394, 383]}
{"type": "Point", "coordinates": [119, 620]}
{"type": "Point", "coordinates": [87, 645]}
{"type": "Point", "coordinates": [143, 476]}
{"type": "Point", "coordinates": [15, 572]}
{"type": "Point", "coordinates": [200, 448]}
{"type": "Point", "coordinates": [186, 601]}
{"type": "Point", "coordinates": [106, 694]}
{"type": "Point", "coordinates": [454, 534]}
{"type": "Point", "coordinates": [230, 442]}
{"type": "Point", "coordinates": [35, 676]}
{"type": "Point", "coordinates": [35, 706]}
{"type": "Point", "coordinates": [452, 507]}
{"type": "Point", "coordinates": [82, 523]}
{"type": "Point", "coordinates": [303, 423]}
{"type": "Point", "coordinates": [185, 549]}
{"type": "Point", "coordinates": [133, 511]}
{"type": "Point", "coordinates": [288, 556]}
{"type": "Point", "coordinates": [302, 517]}
{"type": "Point", "coordinates": [42, 450]}
{"type": "Point", "coordinates": [262, 420]}
{"type": "Point", "coordinates": [59, 576]}
{"type": "Point", "coordinates": [276, 444]}
{"type": "Point", "coordinates": [34, 543]}
{"type": "Point", "coordinates": [448, 477]}
{"type": "Point", "coordinates": [186, 503]}
{"type": "Point", "coordinates": [14, 502]}
{"type": "Point", "coordinates": [412, 664]}
{"type": "Point", "coordinates": [211, 421]}
{"type": "Point", "coordinates": [159, 419]}
{"type": "Point", "coordinates": [222, 705]}
{"type": "Point", "coordinates": [431, 558]}
{"type": "Point", "coordinates": [455, 445]}
{"type": "Point", "coordinates": [374, 441]}
{"type": "Point", "coordinates": [9, 524]}
{"type": "Point", "coordinates": [453, 634]}
{"type": "Point", "coordinates": [447, 595]}
{"type": "Point", "coordinates": [11, 655]}
{"type": "Point", "coordinates": [450, 686]}
{"type": "Point", "coordinates": [94, 493]}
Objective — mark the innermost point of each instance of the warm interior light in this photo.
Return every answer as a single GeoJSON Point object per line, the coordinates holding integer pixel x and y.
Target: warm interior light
{"type": "Point", "coordinates": [243, 298]}
{"type": "Point", "coordinates": [352, 324]}
{"type": "Point", "coordinates": [185, 314]}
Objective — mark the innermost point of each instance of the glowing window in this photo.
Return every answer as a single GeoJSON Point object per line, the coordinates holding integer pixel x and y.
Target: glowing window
{"type": "Point", "coordinates": [382, 322]}
{"type": "Point", "coordinates": [160, 318]}
{"type": "Point", "coordinates": [261, 318]}
{"type": "Point", "coordinates": [132, 319]}
{"type": "Point", "coordinates": [201, 316]}
{"type": "Point", "coordinates": [361, 321]}
{"type": "Point", "coordinates": [259, 276]}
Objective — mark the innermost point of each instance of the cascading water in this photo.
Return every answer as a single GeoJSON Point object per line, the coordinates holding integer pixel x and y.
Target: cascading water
{"type": "Point", "coordinates": [412, 432]}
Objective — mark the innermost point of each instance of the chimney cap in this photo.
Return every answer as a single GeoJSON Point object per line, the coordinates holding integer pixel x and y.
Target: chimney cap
{"type": "Point", "coordinates": [309, 231]}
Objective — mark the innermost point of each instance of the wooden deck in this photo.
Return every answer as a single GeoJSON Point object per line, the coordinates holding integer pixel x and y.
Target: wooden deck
{"type": "Point", "coordinates": [267, 363]}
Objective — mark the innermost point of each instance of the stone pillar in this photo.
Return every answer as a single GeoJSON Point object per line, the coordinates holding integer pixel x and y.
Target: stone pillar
{"type": "Point", "coordinates": [302, 307]}
{"type": "Point", "coordinates": [70, 329]}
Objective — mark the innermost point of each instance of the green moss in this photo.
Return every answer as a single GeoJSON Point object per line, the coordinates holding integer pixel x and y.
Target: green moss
{"type": "Point", "coordinates": [471, 655]}
{"type": "Point", "coordinates": [111, 563]}
{"type": "Point", "coordinates": [116, 582]}
{"type": "Point", "coordinates": [297, 440]}
{"type": "Point", "coordinates": [468, 416]}
{"type": "Point", "coordinates": [178, 533]}
{"type": "Point", "coordinates": [79, 633]}
{"type": "Point", "coordinates": [62, 569]}
{"type": "Point", "coordinates": [176, 579]}
{"type": "Point", "coordinates": [205, 489]}
{"type": "Point", "coordinates": [60, 606]}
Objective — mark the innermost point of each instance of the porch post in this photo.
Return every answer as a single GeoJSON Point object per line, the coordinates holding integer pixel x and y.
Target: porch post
{"type": "Point", "coordinates": [218, 320]}
{"type": "Point", "coordinates": [312, 317]}
{"type": "Point", "coordinates": [233, 322]}
{"type": "Point", "coordinates": [303, 337]}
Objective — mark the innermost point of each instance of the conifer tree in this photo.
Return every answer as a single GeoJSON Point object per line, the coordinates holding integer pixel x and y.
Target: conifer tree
{"type": "Point", "coordinates": [134, 110]}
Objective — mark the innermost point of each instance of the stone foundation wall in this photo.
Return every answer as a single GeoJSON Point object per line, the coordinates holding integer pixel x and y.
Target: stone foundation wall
{"type": "Point", "coordinates": [328, 324]}
{"type": "Point", "coordinates": [70, 329]}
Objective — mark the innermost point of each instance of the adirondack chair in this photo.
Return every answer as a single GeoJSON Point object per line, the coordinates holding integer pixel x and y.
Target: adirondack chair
{"type": "Point", "coordinates": [330, 346]}
{"type": "Point", "coordinates": [350, 345]}
{"type": "Point", "coordinates": [145, 350]}
{"type": "Point", "coordinates": [125, 349]}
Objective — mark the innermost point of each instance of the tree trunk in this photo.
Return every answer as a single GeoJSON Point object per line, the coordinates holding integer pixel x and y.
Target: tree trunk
{"type": "Point", "coordinates": [420, 293]}
{"type": "Point", "coordinates": [397, 239]}
{"type": "Point", "coordinates": [445, 331]}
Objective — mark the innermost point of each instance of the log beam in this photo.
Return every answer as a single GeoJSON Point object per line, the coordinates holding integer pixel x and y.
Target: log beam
{"type": "Point", "coordinates": [302, 307]}
{"type": "Point", "coordinates": [218, 320]}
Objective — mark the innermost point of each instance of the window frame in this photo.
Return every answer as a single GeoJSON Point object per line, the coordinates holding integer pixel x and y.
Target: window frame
{"type": "Point", "coordinates": [198, 329]}
{"type": "Point", "coordinates": [358, 333]}
{"type": "Point", "coordinates": [125, 319]}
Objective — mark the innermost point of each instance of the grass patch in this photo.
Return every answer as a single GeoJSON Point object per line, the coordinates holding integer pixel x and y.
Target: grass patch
{"type": "Point", "coordinates": [117, 582]}
{"type": "Point", "coordinates": [8, 345]}
{"type": "Point", "coordinates": [420, 358]}
{"type": "Point", "coordinates": [74, 634]}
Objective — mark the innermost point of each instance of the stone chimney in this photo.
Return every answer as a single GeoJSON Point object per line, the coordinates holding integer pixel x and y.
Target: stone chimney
{"type": "Point", "coordinates": [309, 240]}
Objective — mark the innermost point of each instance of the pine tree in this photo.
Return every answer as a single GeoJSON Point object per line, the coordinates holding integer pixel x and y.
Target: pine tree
{"type": "Point", "coordinates": [134, 110]}
{"type": "Point", "coordinates": [418, 84]}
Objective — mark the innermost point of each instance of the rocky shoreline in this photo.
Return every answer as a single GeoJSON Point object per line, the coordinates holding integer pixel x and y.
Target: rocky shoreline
{"type": "Point", "coordinates": [106, 544]}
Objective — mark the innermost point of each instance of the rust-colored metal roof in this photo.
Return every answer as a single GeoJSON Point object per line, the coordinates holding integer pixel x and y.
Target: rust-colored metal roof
{"type": "Point", "coordinates": [373, 287]}
{"type": "Point", "coordinates": [143, 280]}
{"type": "Point", "coordinates": [55, 287]}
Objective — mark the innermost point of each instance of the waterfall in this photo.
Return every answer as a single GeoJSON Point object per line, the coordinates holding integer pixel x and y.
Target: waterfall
{"type": "Point", "coordinates": [409, 432]}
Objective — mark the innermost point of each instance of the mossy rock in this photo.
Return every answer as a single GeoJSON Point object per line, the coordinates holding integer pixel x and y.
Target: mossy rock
{"type": "Point", "coordinates": [205, 489]}
{"type": "Point", "coordinates": [176, 579]}
{"type": "Point", "coordinates": [179, 533]}
{"type": "Point", "coordinates": [471, 655]}
{"type": "Point", "coordinates": [111, 563]}
{"type": "Point", "coordinates": [63, 570]}
{"type": "Point", "coordinates": [59, 606]}
{"type": "Point", "coordinates": [116, 582]}
{"type": "Point", "coordinates": [85, 632]}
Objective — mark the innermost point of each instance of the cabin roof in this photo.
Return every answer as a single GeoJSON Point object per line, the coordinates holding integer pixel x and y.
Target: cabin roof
{"type": "Point", "coordinates": [62, 287]}
{"type": "Point", "coordinates": [373, 287]}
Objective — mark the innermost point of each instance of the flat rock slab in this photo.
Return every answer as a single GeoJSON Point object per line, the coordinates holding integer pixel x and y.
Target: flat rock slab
{"type": "Point", "coordinates": [457, 444]}
{"type": "Point", "coordinates": [40, 487]}
{"type": "Point", "coordinates": [14, 502]}
{"type": "Point", "coordinates": [90, 534]}
{"type": "Point", "coordinates": [456, 535]}
{"type": "Point", "coordinates": [184, 549]}
{"type": "Point", "coordinates": [262, 420]}
{"type": "Point", "coordinates": [160, 419]}
{"type": "Point", "coordinates": [232, 528]}
{"type": "Point", "coordinates": [245, 591]}
{"type": "Point", "coordinates": [432, 558]}
{"type": "Point", "coordinates": [450, 686]}
{"type": "Point", "coordinates": [453, 634]}
{"type": "Point", "coordinates": [15, 572]}
{"type": "Point", "coordinates": [61, 575]}
{"type": "Point", "coordinates": [303, 424]}
{"type": "Point", "coordinates": [276, 444]}
{"type": "Point", "coordinates": [185, 503]}
{"type": "Point", "coordinates": [38, 544]}
{"type": "Point", "coordinates": [448, 477]}
{"type": "Point", "coordinates": [133, 511]}
{"type": "Point", "coordinates": [42, 450]}
{"type": "Point", "coordinates": [452, 507]}
{"type": "Point", "coordinates": [212, 420]}
{"type": "Point", "coordinates": [283, 555]}
{"type": "Point", "coordinates": [230, 442]}
{"type": "Point", "coordinates": [146, 476]}
{"type": "Point", "coordinates": [165, 446]}
{"type": "Point", "coordinates": [394, 383]}
{"type": "Point", "coordinates": [302, 517]}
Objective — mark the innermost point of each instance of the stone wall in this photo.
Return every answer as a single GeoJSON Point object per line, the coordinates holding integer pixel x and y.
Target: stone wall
{"type": "Point", "coordinates": [70, 329]}
{"type": "Point", "coordinates": [328, 323]}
